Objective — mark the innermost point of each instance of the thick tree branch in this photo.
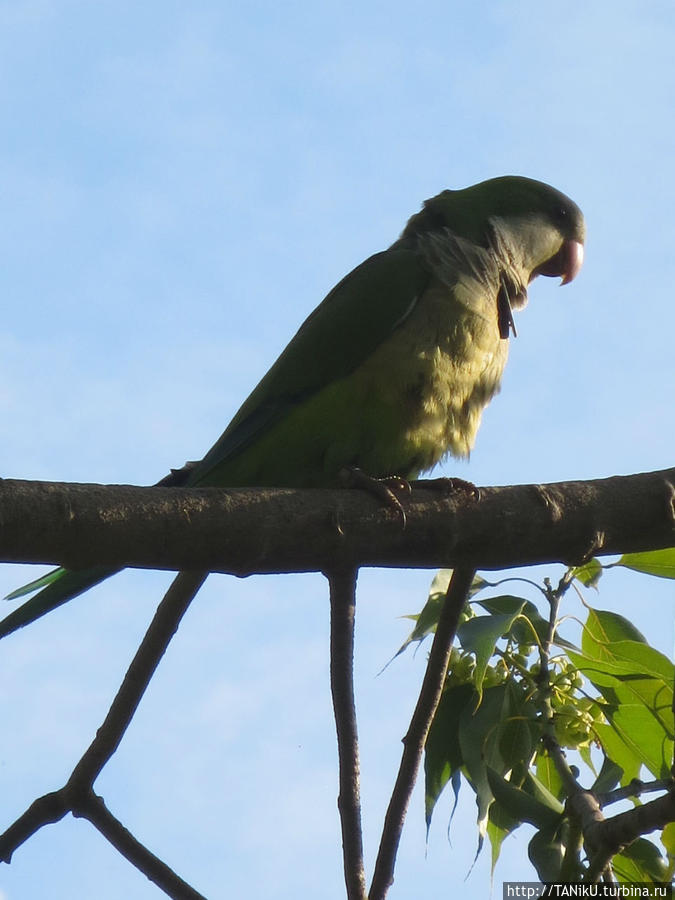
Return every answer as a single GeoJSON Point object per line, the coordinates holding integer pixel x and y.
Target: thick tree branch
{"type": "Point", "coordinates": [242, 531]}
{"type": "Point", "coordinates": [623, 828]}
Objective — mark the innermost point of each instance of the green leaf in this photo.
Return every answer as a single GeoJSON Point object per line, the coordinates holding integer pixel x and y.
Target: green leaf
{"type": "Point", "coordinates": [587, 756]}
{"type": "Point", "coordinates": [541, 793]}
{"type": "Point", "coordinates": [519, 732]}
{"type": "Point", "coordinates": [441, 583]}
{"type": "Point", "coordinates": [668, 841]}
{"type": "Point", "coordinates": [604, 626]}
{"type": "Point", "coordinates": [634, 671]}
{"type": "Point", "coordinates": [644, 660]}
{"type": "Point", "coordinates": [518, 736]}
{"type": "Point", "coordinates": [500, 825]}
{"type": "Point", "coordinates": [652, 562]}
{"type": "Point", "coordinates": [442, 753]}
{"type": "Point", "coordinates": [637, 729]}
{"type": "Point", "coordinates": [636, 681]}
{"type": "Point", "coordinates": [427, 620]}
{"type": "Point", "coordinates": [609, 777]}
{"type": "Point", "coordinates": [507, 604]}
{"type": "Point", "coordinates": [425, 623]}
{"type": "Point", "coordinates": [479, 731]}
{"type": "Point", "coordinates": [530, 618]}
{"type": "Point", "coordinates": [546, 851]}
{"type": "Point", "coordinates": [486, 738]}
{"type": "Point", "coordinates": [588, 574]}
{"type": "Point", "coordinates": [532, 625]}
{"type": "Point", "coordinates": [619, 750]}
{"type": "Point", "coordinates": [641, 861]}
{"type": "Point", "coordinates": [523, 806]}
{"type": "Point", "coordinates": [480, 635]}
{"type": "Point", "coordinates": [548, 776]}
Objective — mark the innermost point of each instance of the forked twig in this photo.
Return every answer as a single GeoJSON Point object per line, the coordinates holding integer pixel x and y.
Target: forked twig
{"type": "Point", "coordinates": [77, 795]}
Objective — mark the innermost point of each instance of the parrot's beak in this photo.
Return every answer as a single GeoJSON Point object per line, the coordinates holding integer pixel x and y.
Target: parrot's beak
{"type": "Point", "coordinates": [565, 264]}
{"type": "Point", "coordinates": [574, 260]}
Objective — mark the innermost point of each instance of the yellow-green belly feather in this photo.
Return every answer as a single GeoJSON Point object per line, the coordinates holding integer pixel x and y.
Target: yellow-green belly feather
{"type": "Point", "coordinates": [418, 397]}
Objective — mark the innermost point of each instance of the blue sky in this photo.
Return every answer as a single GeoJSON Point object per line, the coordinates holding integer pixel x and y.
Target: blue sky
{"type": "Point", "coordinates": [181, 185]}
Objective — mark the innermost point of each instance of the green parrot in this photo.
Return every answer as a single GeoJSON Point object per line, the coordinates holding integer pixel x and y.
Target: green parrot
{"type": "Point", "coordinates": [392, 371]}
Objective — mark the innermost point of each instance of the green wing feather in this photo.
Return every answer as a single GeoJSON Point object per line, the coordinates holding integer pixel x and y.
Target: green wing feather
{"type": "Point", "coordinates": [359, 314]}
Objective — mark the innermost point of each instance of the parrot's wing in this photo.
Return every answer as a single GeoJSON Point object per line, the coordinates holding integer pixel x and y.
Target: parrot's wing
{"type": "Point", "coordinates": [359, 314]}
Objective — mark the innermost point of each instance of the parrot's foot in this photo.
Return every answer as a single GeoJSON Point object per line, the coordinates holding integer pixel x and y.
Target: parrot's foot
{"type": "Point", "coordinates": [385, 489]}
{"type": "Point", "coordinates": [449, 486]}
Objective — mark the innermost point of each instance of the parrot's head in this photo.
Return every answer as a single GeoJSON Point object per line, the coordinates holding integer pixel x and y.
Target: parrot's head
{"type": "Point", "coordinates": [542, 229]}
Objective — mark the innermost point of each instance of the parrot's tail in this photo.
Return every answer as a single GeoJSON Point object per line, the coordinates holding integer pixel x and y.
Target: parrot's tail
{"type": "Point", "coordinates": [61, 585]}
{"type": "Point", "coordinates": [57, 587]}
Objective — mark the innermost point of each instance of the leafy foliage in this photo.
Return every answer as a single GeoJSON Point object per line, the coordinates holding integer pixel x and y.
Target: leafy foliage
{"type": "Point", "coordinates": [520, 700]}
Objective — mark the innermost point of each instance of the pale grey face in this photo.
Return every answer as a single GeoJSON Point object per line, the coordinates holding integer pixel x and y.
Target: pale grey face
{"type": "Point", "coordinates": [539, 247]}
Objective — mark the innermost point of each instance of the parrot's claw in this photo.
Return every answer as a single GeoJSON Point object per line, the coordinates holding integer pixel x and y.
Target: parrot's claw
{"type": "Point", "coordinates": [396, 484]}
{"type": "Point", "coordinates": [449, 486]}
{"type": "Point", "coordinates": [385, 489]}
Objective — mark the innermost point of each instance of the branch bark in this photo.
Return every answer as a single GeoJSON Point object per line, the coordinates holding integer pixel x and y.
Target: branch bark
{"type": "Point", "coordinates": [243, 531]}
{"type": "Point", "coordinates": [420, 723]}
{"type": "Point", "coordinates": [95, 811]}
{"type": "Point", "coordinates": [77, 795]}
{"type": "Point", "coordinates": [342, 613]}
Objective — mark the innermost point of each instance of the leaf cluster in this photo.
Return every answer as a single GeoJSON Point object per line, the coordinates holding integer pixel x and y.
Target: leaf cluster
{"type": "Point", "coordinates": [520, 702]}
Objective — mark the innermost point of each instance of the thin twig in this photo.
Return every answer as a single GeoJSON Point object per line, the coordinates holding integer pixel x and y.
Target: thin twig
{"type": "Point", "coordinates": [45, 810]}
{"type": "Point", "coordinates": [342, 612]}
{"type": "Point", "coordinates": [583, 809]}
{"type": "Point", "coordinates": [634, 788]}
{"type": "Point", "coordinates": [571, 861]}
{"type": "Point", "coordinates": [95, 811]}
{"type": "Point", "coordinates": [415, 739]}
{"type": "Point", "coordinates": [76, 795]}
{"type": "Point", "coordinates": [146, 659]}
{"type": "Point", "coordinates": [567, 776]}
